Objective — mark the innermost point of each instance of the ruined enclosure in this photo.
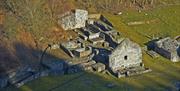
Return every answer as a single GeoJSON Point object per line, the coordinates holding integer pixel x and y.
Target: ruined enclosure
{"type": "Point", "coordinates": [98, 47]}
{"type": "Point", "coordinates": [120, 55]}
{"type": "Point", "coordinates": [73, 19]}
{"type": "Point", "coordinates": [82, 52]}
{"type": "Point", "coordinates": [166, 47]}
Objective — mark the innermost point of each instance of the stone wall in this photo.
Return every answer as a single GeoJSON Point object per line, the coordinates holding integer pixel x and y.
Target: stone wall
{"type": "Point", "coordinates": [167, 48]}
{"type": "Point", "coordinates": [33, 77]}
{"type": "Point", "coordinates": [102, 18]}
{"type": "Point", "coordinates": [127, 54]}
{"type": "Point", "coordinates": [84, 52]}
{"type": "Point", "coordinates": [74, 19]}
{"type": "Point", "coordinates": [80, 17]}
{"type": "Point", "coordinates": [67, 51]}
{"type": "Point", "coordinates": [163, 52]}
{"type": "Point", "coordinates": [175, 57]}
{"type": "Point", "coordinates": [68, 22]}
{"type": "Point", "coordinates": [95, 35]}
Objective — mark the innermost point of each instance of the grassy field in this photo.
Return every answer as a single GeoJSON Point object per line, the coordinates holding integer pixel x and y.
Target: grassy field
{"type": "Point", "coordinates": [166, 23]}
{"type": "Point", "coordinates": [163, 76]}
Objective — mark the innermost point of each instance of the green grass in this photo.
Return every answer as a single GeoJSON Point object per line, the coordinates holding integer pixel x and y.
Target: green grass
{"type": "Point", "coordinates": [164, 73]}
{"type": "Point", "coordinates": [168, 21]}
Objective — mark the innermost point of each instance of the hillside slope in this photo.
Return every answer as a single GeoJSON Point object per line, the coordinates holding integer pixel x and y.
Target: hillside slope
{"type": "Point", "coordinates": [30, 25]}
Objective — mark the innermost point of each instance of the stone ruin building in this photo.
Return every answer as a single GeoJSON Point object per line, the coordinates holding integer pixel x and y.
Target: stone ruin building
{"type": "Point", "coordinates": [167, 47]}
{"type": "Point", "coordinates": [104, 48]}
{"type": "Point", "coordinates": [126, 59]}
{"type": "Point", "coordinates": [98, 47]}
{"type": "Point", "coordinates": [73, 19]}
{"type": "Point", "coordinates": [76, 49]}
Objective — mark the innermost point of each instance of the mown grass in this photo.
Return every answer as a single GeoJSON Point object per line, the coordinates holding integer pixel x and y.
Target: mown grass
{"type": "Point", "coordinates": [163, 76]}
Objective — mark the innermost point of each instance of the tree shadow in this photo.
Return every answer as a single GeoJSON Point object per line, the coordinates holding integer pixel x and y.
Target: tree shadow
{"type": "Point", "coordinates": [20, 56]}
{"type": "Point", "coordinates": [8, 61]}
{"type": "Point", "coordinates": [151, 44]}
{"type": "Point", "coordinates": [24, 55]}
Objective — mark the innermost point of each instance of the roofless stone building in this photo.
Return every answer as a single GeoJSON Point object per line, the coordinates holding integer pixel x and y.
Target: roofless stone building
{"type": "Point", "coordinates": [168, 48]}
{"type": "Point", "coordinates": [73, 19]}
{"type": "Point", "coordinates": [121, 56]}
{"type": "Point", "coordinates": [124, 60]}
{"type": "Point", "coordinates": [127, 54]}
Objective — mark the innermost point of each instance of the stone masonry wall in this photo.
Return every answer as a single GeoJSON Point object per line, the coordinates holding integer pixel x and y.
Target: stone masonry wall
{"type": "Point", "coordinates": [127, 54]}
